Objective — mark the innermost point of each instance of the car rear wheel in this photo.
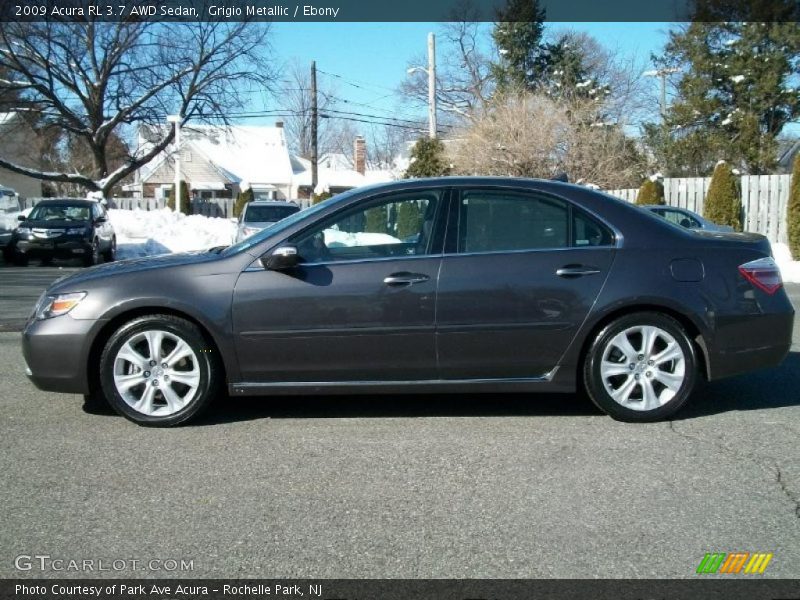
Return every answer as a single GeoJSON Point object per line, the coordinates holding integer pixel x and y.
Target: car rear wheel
{"type": "Point", "coordinates": [159, 370]}
{"type": "Point", "coordinates": [110, 255]}
{"type": "Point", "coordinates": [641, 367]}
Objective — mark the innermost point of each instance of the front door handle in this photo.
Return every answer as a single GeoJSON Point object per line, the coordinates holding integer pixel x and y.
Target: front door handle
{"type": "Point", "coordinates": [402, 279]}
{"type": "Point", "coordinates": [576, 271]}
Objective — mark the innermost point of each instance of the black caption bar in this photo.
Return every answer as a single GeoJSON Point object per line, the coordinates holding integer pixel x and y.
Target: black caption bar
{"type": "Point", "coordinates": [398, 589]}
{"type": "Point", "coordinates": [392, 11]}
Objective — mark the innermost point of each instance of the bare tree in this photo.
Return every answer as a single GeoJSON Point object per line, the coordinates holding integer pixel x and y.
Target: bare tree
{"type": "Point", "coordinates": [99, 81]}
{"type": "Point", "coordinates": [296, 101]}
{"type": "Point", "coordinates": [464, 82]}
{"type": "Point", "coordinates": [532, 135]}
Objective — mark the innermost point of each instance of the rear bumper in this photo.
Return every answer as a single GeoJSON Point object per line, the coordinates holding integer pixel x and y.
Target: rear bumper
{"type": "Point", "coordinates": [56, 352]}
{"type": "Point", "coordinates": [751, 342]}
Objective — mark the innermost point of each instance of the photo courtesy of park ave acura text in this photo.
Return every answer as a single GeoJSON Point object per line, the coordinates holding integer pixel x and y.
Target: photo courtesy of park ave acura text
{"type": "Point", "coordinates": [454, 300]}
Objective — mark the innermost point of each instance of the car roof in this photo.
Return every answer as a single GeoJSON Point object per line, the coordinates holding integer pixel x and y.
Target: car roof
{"type": "Point", "coordinates": [77, 201]}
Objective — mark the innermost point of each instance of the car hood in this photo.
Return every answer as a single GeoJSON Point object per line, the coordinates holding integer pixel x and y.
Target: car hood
{"type": "Point", "coordinates": [259, 224]}
{"type": "Point", "coordinates": [133, 265]}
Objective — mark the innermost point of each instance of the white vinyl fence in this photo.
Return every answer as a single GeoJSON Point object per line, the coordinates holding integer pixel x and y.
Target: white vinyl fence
{"type": "Point", "coordinates": [764, 200]}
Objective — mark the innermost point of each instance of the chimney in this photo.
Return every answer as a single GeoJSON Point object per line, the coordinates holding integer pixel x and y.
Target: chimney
{"type": "Point", "coordinates": [279, 124]}
{"type": "Point", "coordinates": [360, 155]}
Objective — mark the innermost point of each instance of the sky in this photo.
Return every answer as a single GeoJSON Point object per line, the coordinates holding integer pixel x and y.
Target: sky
{"type": "Point", "coordinates": [365, 62]}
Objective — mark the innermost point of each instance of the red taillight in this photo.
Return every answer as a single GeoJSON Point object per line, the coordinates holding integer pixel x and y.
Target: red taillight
{"type": "Point", "coordinates": [762, 273]}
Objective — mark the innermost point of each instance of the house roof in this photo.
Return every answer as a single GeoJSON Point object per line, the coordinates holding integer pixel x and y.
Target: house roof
{"type": "Point", "coordinates": [334, 171]}
{"type": "Point", "coordinates": [253, 155]}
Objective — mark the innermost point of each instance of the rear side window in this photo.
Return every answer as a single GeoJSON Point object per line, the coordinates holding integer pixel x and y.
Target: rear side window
{"type": "Point", "coordinates": [496, 221]}
{"type": "Point", "coordinates": [501, 221]}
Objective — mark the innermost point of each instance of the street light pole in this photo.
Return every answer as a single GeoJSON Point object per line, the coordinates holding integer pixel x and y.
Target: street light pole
{"type": "Point", "coordinates": [176, 119]}
{"type": "Point", "coordinates": [431, 85]}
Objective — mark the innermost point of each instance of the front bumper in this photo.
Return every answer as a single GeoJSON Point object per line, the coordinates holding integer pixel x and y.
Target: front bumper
{"type": "Point", "coordinates": [56, 353]}
{"type": "Point", "coordinates": [64, 247]}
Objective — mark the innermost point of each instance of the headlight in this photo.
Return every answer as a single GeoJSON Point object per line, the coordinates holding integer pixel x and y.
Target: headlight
{"type": "Point", "coordinates": [76, 230]}
{"type": "Point", "coordinates": [60, 304]}
{"type": "Point", "coordinates": [24, 230]}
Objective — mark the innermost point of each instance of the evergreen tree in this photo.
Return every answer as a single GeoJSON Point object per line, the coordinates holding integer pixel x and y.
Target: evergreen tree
{"type": "Point", "coordinates": [793, 211]}
{"type": "Point", "coordinates": [242, 199]}
{"type": "Point", "coordinates": [376, 220]}
{"type": "Point", "coordinates": [723, 203]}
{"type": "Point", "coordinates": [734, 93]}
{"type": "Point", "coordinates": [651, 192]}
{"type": "Point", "coordinates": [185, 207]}
{"type": "Point", "coordinates": [409, 219]}
{"type": "Point", "coordinates": [518, 37]}
{"type": "Point", "coordinates": [317, 198]}
{"type": "Point", "coordinates": [428, 159]}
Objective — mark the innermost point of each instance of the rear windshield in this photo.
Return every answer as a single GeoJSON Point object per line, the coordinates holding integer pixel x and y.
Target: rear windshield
{"type": "Point", "coordinates": [59, 212]}
{"type": "Point", "coordinates": [262, 214]}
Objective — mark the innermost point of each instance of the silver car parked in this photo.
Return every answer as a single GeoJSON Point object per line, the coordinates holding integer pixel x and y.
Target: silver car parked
{"type": "Point", "coordinates": [260, 214]}
{"type": "Point", "coordinates": [686, 218]}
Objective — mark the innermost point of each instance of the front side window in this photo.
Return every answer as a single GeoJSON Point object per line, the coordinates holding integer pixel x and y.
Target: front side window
{"type": "Point", "coordinates": [394, 226]}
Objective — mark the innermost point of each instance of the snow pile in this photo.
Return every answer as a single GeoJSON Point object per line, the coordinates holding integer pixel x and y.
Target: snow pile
{"type": "Point", "coordinates": [145, 233]}
{"type": "Point", "coordinates": [9, 221]}
{"type": "Point", "coordinates": [790, 269]}
{"type": "Point", "coordinates": [334, 238]}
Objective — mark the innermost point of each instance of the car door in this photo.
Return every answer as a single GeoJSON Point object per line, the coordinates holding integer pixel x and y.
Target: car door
{"type": "Point", "coordinates": [519, 276]}
{"type": "Point", "coordinates": [360, 305]}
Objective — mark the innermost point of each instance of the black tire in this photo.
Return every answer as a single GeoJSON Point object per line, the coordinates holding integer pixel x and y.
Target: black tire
{"type": "Point", "coordinates": [210, 372]}
{"type": "Point", "coordinates": [642, 374]}
{"type": "Point", "coordinates": [46, 261]}
{"type": "Point", "coordinates": [19, 259]}
{"type": "Point", "coordinates": [110, 255]}
{"type": "Point", "coordinates": [93, 254]}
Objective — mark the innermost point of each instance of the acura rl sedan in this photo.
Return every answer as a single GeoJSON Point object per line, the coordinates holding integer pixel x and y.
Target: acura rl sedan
{"type": "Point", "coordinates": [431, 285]}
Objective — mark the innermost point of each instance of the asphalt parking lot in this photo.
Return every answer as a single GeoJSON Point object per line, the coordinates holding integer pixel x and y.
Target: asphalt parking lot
{"type": "Point", "coordinates": [495, 486]}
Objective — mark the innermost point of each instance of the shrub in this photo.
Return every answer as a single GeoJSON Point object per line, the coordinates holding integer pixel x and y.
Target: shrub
{"type": "Point", "coordinates": [651, 192]}
{"type": "Point", "coordinates": [723, 203]}
{"type": "Point", "coordinates": [242, 199]}
{"type": "Point", "coordinates": [428, 159]}
{"type": "Point", "coordinates": [793, 211]}
{"type": "Point", "coordinates": [317, 198]}
{"type": "Point", "coordinates": [185, 205]}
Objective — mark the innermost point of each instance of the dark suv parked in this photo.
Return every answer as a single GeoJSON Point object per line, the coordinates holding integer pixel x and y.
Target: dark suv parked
{"type": "Point", "coordinates": [63, 228]}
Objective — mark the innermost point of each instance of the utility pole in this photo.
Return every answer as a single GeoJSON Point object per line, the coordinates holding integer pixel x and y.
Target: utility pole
{"type": "Point", "coordinates": [314, 118]}
{"type": "Point", "coordinates": [431, 85]}
{"type": "Point", "coordinates": [176, 119]}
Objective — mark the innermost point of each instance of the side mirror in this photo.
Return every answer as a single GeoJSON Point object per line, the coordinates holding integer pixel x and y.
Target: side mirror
{"type": "Point", "coordinates": [101, 219]}
{"type": "Point", "coordinates": [21, 217]}
{"type": "Point", "coordinates": [281, 259]}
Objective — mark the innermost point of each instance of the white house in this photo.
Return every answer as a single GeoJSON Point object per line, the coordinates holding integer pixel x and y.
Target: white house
{"type": "Point", "coordinates": [219, 162]}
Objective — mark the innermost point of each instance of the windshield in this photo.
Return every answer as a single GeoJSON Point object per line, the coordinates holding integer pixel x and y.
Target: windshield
{"type": "Point", "coordinates": [263, 214]}
{"type": "Point", "coordinates": [248, 243]}
{"type": "Point", "coordinates": [59, 212]}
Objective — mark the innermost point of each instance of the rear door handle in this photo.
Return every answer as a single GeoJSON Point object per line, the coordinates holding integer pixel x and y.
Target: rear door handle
{"type": "Point", "coordinates": [576, 271]}
{"type": "Point", "coordinates": [402, 279]}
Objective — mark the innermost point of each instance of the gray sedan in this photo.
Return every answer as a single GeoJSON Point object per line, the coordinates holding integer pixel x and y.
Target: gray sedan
{"type": "Point", "coordinates": [427, 285]}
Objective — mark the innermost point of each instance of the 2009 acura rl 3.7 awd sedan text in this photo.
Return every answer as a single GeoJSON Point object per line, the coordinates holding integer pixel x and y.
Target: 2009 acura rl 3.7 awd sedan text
{"type": "Point", "coordinates": [437, 285]}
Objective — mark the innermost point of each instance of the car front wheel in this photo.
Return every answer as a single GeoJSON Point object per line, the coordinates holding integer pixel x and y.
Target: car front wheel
{"type": "Point", "coordinates": [159, 370]}
{"type": "Point", "coordinates": [641, 367]}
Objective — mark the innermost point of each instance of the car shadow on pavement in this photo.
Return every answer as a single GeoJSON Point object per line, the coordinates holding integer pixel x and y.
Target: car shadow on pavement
{"type": "Point", "coordinates": [228, 410]}
{"type": "Point", "coordinates": [766, 389]}
{"type": "Point", "coordinates": [769, 388]}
